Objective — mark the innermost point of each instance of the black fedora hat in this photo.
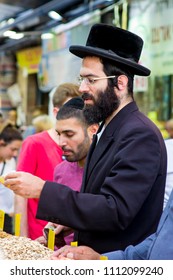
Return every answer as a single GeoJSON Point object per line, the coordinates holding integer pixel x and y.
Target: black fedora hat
{"type": "Point", "coordinates": [115, 44]}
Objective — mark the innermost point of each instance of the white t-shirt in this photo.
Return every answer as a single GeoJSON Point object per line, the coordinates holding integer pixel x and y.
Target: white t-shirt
{"type": "Point", "coordinates": [6, 195]}
{"type": "Point", "coordinates": [169, 177]}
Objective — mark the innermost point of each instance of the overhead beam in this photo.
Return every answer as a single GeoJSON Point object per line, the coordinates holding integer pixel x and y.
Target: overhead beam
{"type": "Point", "coordinates": [44, 9]}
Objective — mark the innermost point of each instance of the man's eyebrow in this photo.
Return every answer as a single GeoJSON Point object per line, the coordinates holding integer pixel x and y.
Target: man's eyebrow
{"type": "Point", "coordinates": [67, 130]}
{"type": "Point", "coordinates": [64, 131]}
{"type": "Point", "coordinates": [89, 75]}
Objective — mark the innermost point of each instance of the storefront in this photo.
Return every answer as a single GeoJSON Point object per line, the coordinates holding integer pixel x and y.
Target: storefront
{"type": "Point", "coordinates": [153, 21]}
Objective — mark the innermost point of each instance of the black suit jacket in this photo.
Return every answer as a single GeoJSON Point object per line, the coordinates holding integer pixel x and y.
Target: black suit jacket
{"type": "Point", "coordinates": [121, 198]}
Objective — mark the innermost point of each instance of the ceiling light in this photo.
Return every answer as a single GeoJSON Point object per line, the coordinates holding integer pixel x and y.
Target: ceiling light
{"type": "Point", "coordinates": [13, 34]}
{"type": "Point", "coordinates": [17, 36]}
{"type": "Point", "coordinates": [54, 15]}
{"type": "Point", "coordinates": [46, 36]}
{"type": "Point", "coordinates": [10, 20]}
{"type": "Point", "coordinates": [3, 23]}
{"type": "Point", "coordinates": [9, 33]}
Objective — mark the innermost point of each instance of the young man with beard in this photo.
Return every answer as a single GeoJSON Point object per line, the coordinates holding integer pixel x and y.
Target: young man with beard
{"type": "Point", "coordinates": [122, 192]}
{"type": "Point", "coordinates": [75, 137]}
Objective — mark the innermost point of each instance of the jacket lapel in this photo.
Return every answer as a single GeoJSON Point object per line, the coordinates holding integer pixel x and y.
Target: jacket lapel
{"type": "Point", "coordinates": [98, 149]}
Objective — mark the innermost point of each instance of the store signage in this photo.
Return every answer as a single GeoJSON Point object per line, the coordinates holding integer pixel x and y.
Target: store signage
{"type": "Point", "coordinates": [153, 21]}
{"type": "Point", "coordinates": [29, 59]}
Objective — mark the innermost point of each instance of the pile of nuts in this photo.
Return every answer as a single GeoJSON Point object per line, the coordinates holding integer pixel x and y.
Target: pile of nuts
{"type": "Point", "coordinates": [22, 248]}
{"type": "Point", "coordinates": [4, 234]}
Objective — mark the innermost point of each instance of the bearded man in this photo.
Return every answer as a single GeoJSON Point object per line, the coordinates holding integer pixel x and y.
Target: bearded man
{"type": "Point", "coordinates": [121, 197]}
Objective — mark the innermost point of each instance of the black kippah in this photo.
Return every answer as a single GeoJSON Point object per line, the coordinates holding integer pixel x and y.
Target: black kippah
{"type": "Point", "coordinates": [76, 102]}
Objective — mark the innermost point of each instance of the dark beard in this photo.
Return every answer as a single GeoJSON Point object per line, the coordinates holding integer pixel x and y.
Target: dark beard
{"type": "Point", "coordinates": [102, 108]}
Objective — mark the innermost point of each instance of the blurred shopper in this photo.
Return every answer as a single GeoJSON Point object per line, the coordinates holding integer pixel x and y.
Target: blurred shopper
{"type": "Point", "coordinates": [12, 117]}
{"type": "Point", "coordinates": [31, 129]}
{"type": "Point", "coordinates": [39, 155]}
{"type": "Point", "coordinates": [42, 123]}
{"type": "Point", "coordinates": [10, 143]}
{"type": "Point", "coordinates": [169, 128]}
{"type": "Point", "coordinates": [62, 94]}
{"type": "Point", "coordinates": [39, 124]}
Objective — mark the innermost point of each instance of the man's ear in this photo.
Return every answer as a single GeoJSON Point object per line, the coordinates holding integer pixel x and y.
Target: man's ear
{"type": "Point", "coordinates": [122, 82]}
{"type": "Point", "coordinates": [2, 142]}
{"type": "Point", "coordinates": [55, 111]}
{"type": "Point", "coordinates": [92, 129]}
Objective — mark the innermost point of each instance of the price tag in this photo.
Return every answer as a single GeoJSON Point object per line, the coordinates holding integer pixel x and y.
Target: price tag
{"type": "Point", "coordinates": [51, 239]}
{"type": "Point", "coordinates": [17, 224]}
{"type": "Point", "coordinates": [74, 244]}
{"type": "Point", "coordinates": [2, 215]}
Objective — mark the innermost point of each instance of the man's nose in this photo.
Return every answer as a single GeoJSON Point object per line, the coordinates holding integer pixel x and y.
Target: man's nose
{"type": "Point", "coordinates": [15, 153]}
{"type": "Point", "coordinates": [84, 87]}
{"type": "Point", "coordinates": [62, 141]}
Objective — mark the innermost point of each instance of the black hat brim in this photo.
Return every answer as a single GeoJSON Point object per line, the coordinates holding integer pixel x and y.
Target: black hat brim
{"type": "Point", "coordinates": [83, 51]}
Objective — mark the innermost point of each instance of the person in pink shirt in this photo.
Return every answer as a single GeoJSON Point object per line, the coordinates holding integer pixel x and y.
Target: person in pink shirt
{"type": "Point", "coordinates": [39, 155]}
{"type": "Point", "coordinates": [75, 137]}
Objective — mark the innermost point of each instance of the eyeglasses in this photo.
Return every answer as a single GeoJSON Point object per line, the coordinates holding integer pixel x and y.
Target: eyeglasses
{"type": "Point", "coordinates": [90, 81]}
